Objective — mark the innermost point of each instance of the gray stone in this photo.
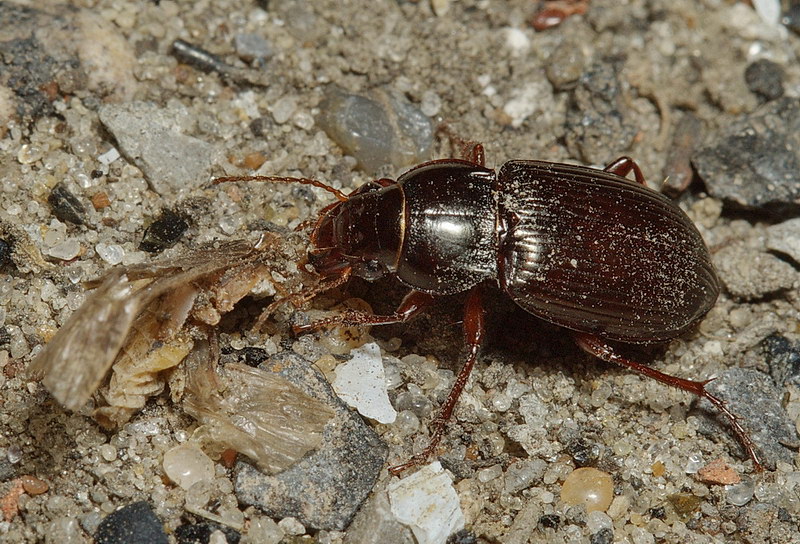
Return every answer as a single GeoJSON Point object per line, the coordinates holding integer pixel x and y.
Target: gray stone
{"type": "Point", "coordinates": [753, 163]}
{"type": "Point", "coordinates": [753, 397]}
{"type": "Point", "coordinates": [325, 489]}
{"type": "Point", "coordinates": [146, 134]}
{"type": "Point", "coordinates": [750, 274]}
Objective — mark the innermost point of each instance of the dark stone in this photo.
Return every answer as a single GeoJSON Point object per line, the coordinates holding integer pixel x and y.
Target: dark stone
{"type": "Point", "coordinates": [550, 521]}
{"type": "Point", "coordinates": [603, 536]}
{"type": "Point", "coordinates": [783, 358]}
{"type": "Point", "coordinates": [462, 537]}
{"type": "Point", "coordinates": [764, 78]}
{"type": "Point", "coordinates": [261, 126]}
{"type": "Point", "coordinates": [583, 452]}
{"type": "Point", "coordinates": [66, 206]}
{"type": "Point", "coordinates": [753, 397]}
{"type": "Point", "coordinates": [5, 336]}
{"type": "Point", "coordinates": [326, 488]}
{"type": "Point", "coordinates": [131, 524]}
{"type": "Point", "coordinates": [164, 232]}
{"type": "Point", "coordinates": [5, 252]}
{"type": "Point", "coordinates": [753, 162]}
{"type": "Point", "coordinates": [596, 121]}
{"type": "Point", "coordinates": [200, 533]}
{"type": "Point", "coordinates": [659, 512]}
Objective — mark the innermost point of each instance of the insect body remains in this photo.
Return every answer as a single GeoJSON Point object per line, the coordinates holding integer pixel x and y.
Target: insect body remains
{"type": "Point", "coordinates": [586, 249]}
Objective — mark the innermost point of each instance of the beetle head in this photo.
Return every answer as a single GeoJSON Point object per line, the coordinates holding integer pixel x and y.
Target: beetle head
{"type": "Point", "coordinates": [363, 233]}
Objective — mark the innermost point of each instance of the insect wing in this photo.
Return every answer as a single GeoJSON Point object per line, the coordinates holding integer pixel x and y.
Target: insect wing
{"type": "Point", "coordinates": [74, 362]}
{"type": "Point", "coordinates": [257, 413]}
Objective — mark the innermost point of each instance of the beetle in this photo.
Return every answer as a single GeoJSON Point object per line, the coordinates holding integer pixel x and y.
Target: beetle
{"type": "Point", "coordinates": [586, 249]}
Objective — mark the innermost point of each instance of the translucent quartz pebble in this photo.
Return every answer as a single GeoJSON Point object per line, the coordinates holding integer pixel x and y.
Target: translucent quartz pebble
{"type": "Point", "coordinates": [378, 130]}
{"type": "Point", "coordinates": [187, 464]}
{"type": "Point", "coordinates": [589, 486]}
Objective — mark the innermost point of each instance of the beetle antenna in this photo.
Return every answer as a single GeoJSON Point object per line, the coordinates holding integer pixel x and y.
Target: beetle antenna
{"type": "Point", "coordinates": [284, 179]}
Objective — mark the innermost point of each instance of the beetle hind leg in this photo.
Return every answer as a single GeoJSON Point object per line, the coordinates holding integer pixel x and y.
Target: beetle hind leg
{"type": "Point", "coordinates": [599, 348]}
{"type": "Point", "coordinates": [474, 334]}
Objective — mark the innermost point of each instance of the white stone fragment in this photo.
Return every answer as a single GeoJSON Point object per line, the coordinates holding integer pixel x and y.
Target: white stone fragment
{"type": "Point", "coordinates": [66, 250]}
{"type": "Point", "coordinates": [110, 253]}
{"type": "Point", "coordinates": [427, 503]}
{"type": "Point", "coordinates": [109, 156]}
{"type": "Point", "coordinates": [517, 41]}
{"type": "Point", "coordinates": [361, 383]}
{"type": "Point", "coordinates": [768, 10]}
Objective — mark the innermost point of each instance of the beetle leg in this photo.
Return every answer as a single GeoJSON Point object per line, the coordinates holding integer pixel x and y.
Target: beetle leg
{"type": "Point", "coordinates": [623, 166]}
{"type": "Point", "coordinates": [469, 150]}
{"type": "Point", "coordinates": [600, 349]}
{"type": "Point", "coordinates": [413, 303]}
{"type": "Point", "coordinates": [300, 297]}
{"type": "Point", "coordinates": [474, 334]}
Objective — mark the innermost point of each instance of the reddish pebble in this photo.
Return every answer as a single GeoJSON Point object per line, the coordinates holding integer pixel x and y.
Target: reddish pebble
{"type": "Point", "coordinates": [100, 200]}
{"type": "Point", "coordinates": [718, 472]}
{"type": "Point", "coordinates": [33, 485]}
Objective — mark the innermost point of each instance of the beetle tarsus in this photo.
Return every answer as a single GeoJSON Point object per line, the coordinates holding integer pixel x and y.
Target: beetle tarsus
{"type": "Point", "coordinates": [597, 347]}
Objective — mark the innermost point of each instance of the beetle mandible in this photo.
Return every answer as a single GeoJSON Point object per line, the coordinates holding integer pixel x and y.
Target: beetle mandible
{"type": "Point", "coordinates": [589, 250]}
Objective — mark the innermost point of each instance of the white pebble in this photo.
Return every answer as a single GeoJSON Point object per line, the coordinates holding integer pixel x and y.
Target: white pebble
{"type": "Point", "coordinates": [66, 250]}
{"type": "Point", "coordinates": [109, 156]}
{"type": "Point", "coordinates": [517, 41]}
{"type": "Point", "coordinates": [427, 503]}
{"type": "Point", "coordinates": [361, 383]}
{"type": "Point", "coordinates": [110, 253]}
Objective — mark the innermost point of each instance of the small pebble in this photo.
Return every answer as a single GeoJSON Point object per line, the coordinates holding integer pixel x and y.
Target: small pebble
{"type": "Point", "coordinates": [164, 232]}
{"type": "Point", "coordinates": [66, 250]}
{"type": "Point", "coordinates": [427, 502]}
{"type": "Point", "coordinates": [110, 253]}
{"type": "Point", "coordinates": [361, 383]}
{"type": "Point", "coordinates": [694, 463]}
{"type": "Point", "coordinates": [263, 530]}
{"type": "Point", "coordinates": [590, 487]}
{"type": "Point", "coordinates": [66, 205]}
{"type": "Point", "coordinates": [131, 524]}
{"type": "Point", "coordinates": [741, 493]}
{"type": "Point", "coordinates": [291, 526]}
{"type": "Point", "coordinates": [108, 452]}
{"type": "Point", "coordinates": [684, 503]}
{"type": "Point", "coordinates": [187, 464]}
{"type": "Point", "coordinates": [33, 485]}
{"type": "Point", "coordinates": [764, 78]}
{"type": "Point", "coordinates": [718, 472]}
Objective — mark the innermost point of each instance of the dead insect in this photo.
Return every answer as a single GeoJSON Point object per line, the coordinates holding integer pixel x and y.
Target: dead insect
{"type": "Point", "coordinates": [145, 319]}
{"type": "Point", "coordinates": [586, 249]}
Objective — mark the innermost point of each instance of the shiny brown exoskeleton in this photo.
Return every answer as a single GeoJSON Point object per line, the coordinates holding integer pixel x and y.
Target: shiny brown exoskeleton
{"type": "Point", "coordinates": [586, 249]}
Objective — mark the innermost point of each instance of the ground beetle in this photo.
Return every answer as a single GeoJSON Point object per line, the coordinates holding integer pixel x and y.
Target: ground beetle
{"type": "Point", "coordinates": [589, 250]}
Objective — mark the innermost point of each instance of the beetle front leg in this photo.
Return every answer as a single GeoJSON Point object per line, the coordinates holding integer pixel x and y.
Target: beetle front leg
{"type": "Point", "coordinates": [623, 166]}
{"type": "Point", "coordinates": [600, 349]}
{"type": "Point", "coordinates": [413, 303]}
{"type": "Point", "coordinates": [474, 334]}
